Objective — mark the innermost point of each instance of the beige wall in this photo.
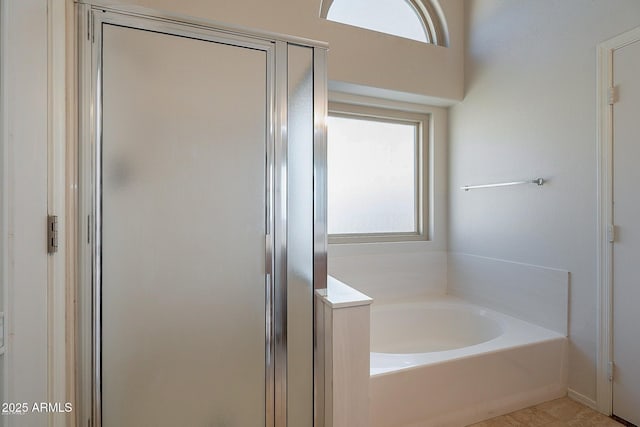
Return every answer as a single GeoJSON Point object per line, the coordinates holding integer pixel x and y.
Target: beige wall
{"type": "Point", "coordinates": [529, 111]}
{"type": "Point", "coordinates": [356, 56]}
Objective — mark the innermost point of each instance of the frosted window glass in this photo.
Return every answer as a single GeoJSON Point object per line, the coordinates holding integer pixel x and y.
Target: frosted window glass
{"type": "Point", "coordinates": [395, 17]}
{"type": "Point", "coordinates": [372, 175]}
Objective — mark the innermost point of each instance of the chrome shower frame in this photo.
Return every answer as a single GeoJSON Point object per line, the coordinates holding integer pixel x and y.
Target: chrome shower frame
{"type": "Point", "coordinates": [90, 18]}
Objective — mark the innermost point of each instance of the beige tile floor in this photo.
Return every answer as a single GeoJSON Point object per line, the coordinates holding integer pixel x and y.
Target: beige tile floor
{"type": "Point", "coordinates": [556, 413]}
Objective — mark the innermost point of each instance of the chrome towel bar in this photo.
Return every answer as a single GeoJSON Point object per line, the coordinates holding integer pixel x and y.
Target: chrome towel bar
{"type": "Point", "coordinates": [538, 181]}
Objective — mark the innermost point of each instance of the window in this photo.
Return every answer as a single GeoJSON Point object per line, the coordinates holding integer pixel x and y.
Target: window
{"type": "Point", "coordinates": [396, 17]}
{"type": "Point", "coordinates": [376, 174]}
{"type": "Point", "coordinates": [421, 20]}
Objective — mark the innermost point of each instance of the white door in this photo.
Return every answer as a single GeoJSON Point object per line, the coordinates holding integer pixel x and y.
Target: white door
{"type": "Point", "coordinates": [626, 249]}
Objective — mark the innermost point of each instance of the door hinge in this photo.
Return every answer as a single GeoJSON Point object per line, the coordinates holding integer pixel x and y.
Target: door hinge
{"type": "Point", "coordinates": [52, 234]}
{"type": "Point", "coordinates": [611, 233]}
{"type": "Point", "coordinates": [610, 371]}
{"type": "Point", "coordinates": [612, 95]}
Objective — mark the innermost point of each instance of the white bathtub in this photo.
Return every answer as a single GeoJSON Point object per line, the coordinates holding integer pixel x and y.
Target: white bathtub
{"type": "Point", "coordinates": [444, 362]}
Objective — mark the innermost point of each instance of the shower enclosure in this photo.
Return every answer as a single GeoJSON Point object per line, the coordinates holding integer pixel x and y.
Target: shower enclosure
{"type": "Point", "coordinates": [201, 222]}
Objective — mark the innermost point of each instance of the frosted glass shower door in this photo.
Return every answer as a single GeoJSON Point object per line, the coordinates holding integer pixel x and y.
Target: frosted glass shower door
{"type": "Point", "coordinates": [182, 167]}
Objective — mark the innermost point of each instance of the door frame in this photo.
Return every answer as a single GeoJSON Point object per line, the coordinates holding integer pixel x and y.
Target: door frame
{"type": "Point", "coordinates": [604, 123]}
{"type": "Point", "coordinates": [90, 191]}
{"type": "Point", "coordinates": [35, 358]}
{"type": "Point", "coordinates": [90, 14]}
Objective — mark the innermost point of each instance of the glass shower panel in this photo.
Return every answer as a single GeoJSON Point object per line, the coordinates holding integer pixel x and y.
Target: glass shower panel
{"type": "Point", "coordinates": [183, 231]}
{"type": "Point", "coordinates": [300, 238]}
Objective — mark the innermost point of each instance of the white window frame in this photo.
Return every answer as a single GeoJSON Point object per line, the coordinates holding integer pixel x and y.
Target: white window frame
{"type": "Point", "coordinates": [422, 122]}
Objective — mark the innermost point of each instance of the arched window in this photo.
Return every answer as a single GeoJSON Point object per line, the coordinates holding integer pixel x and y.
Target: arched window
{"type": "Point", "coordinates": [420, 20]}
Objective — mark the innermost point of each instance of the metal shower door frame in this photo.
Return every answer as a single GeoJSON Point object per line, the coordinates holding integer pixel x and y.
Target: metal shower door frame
{"type": "Point", "coordinates": [91, 18]}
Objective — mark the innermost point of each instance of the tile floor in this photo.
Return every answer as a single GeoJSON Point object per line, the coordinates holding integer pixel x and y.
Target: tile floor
{"type": "Point", "coordinates": [556, 413]}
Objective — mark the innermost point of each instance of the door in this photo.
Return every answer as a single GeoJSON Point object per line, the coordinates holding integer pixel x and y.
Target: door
{"type": "Point", "coordinates": [626, 249]}
{"type": "Point", "coordinates": [182, 223]}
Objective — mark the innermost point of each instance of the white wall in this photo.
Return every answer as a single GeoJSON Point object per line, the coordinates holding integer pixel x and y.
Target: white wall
{"type": "Point", "coordinates": [356, 56]}
{"type": "Point", "coordinates": [529, 111]}
{"type": "Point", "coordinates": [3, 189]}
{"type": "Point", "coordinates": [24, 204]}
